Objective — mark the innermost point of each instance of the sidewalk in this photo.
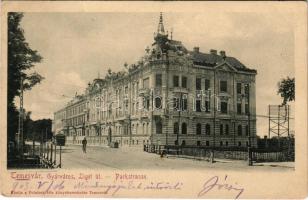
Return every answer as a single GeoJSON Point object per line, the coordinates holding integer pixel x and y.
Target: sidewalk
{"type": "Point", "coordinates": [276, 164]}
{"type": "Point", "coordinates": [236, 162]}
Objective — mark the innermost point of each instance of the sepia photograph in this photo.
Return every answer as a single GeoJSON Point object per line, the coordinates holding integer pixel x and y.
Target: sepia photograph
{"type": "Point", "coordinates": [124, 90]}
{"type": "Point", "coordinates": [163, 90]}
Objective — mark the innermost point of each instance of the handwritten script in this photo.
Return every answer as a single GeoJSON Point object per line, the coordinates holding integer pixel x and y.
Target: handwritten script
{"type": "Point", "coordinates": [86, 184]}
{"type": "Point", "coordinates": [116, 184]}
{"type": "Point", "coordinates": [216, 183]}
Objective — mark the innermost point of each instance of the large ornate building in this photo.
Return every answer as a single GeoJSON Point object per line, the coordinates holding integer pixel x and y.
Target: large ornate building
{"type": "Point", "coordinates": [171, 96]}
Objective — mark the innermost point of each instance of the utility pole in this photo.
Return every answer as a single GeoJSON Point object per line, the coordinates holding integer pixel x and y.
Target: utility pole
{"type": "Point", "coordinates": [269, 121]}
{"type": "Point", "coordinates": [167, 90]}
{"type": "Point", "coordinates": [249, 132]}
{"type": "Point", "coordinates": [21, 120]}
{"type": "Point", "coordinates": [278, 127]}
{"type": "Point", "coordinates": [214, 119]}
{"type": "Point", "coordinates": [179, 121]}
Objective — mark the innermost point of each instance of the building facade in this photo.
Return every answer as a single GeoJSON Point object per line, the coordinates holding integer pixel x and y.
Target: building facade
{"type": "Point", "coordinates": [170, 96]}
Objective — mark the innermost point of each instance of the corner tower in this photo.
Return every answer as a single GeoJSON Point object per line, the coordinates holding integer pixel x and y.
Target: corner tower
{"type": "Point", "coordinates": [161, 37]}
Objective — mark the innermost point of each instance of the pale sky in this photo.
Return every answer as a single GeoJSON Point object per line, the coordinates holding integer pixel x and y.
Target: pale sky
{"type": "Point", "coordinates": [78, 46]}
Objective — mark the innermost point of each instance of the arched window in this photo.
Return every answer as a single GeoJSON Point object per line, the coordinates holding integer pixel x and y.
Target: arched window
{"type": "Point", "coordinates": [158, 104]}
{"type": "Point", "coordinates": [183, 143]}
{"type": "Point", "coordinates": [198, 132]}
{"type": "Point", "coordinates": [176, 142]}
{"type": "Point", "coordinates": [184, 128]}
{"type": "Point", "coordinates": [159, 127]}
{"type": "Point", "coordinates": [176, 128]}
{"type": "Point", "coordinates": [239, 130]}
{"type": "Point", "coordinates": [227, 129]}
{"type": "Point", "coordinates": [247, 130]}
{"type": "Point", "coordinates": [221, 129]}
{"type": "Point", "coordinates": [137, 127]}
{"type": "Point", "coordinates": [208, 129]}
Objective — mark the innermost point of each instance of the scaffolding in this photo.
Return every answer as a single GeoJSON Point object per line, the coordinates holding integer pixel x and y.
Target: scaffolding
{"type": "Point", "coordinates": [279, 121]}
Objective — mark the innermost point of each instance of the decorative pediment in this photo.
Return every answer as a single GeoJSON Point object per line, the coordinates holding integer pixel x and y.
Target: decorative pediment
{"type": "Point", "coordinates": [224, 96]}
{"type": "Point", "coordinates": [225, 66]}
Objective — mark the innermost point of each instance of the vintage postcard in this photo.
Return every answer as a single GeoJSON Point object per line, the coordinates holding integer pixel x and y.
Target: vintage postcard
{"type": "Point", "coordinates": [154, 99]}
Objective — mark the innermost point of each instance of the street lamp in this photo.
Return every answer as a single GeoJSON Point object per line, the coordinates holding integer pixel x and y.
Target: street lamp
{"type": "Point", "coordinates": [247, 94]}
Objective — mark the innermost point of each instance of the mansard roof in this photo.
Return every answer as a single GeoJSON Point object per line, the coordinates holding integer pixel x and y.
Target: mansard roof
{"type": "Point", "coordinates": [211, 60]}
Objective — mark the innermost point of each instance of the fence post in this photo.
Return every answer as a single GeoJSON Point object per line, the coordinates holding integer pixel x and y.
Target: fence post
{"type": "Point", "coordinates": [55, 162]}
{"type": "Point", "coordinates": [51, 152]}
{"type": "Point", "coordinates": [60, 156]}
{"type": "Point", "coordinates": [47, 151]}
{"type": "Point", "coordinates": [249, 156]}
{"type": "Point", "coordinates": [43, 150]}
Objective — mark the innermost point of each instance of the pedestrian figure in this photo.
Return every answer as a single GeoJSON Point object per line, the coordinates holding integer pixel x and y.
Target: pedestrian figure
{"type": "Point", "coordinates": [163, 153]}
{"type": "Point", "coordinates": [84, 145]}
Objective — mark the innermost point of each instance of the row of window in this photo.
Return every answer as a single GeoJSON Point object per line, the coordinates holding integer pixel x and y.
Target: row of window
{"type": "Point", "coordinates": [118, 130]}
{"type": "Point", "coordinates": [76, 121]}
{"type": "Point", "coordinates": [132, 142]}
{"type": "Point", "coordinates": [76, 110]}
{"type": "Point", "coordinates": [183, 83]}
{"type": "Point", "coordinates": [176, 83]}
{"type": "Point", "coordinates": [207, 143]}
{"type": "Point", "coordinates": [239, 108]}
{"type": "Point", "coordinates": [224, 129]}
{"type": "Point", "coordinates": [181, 105]}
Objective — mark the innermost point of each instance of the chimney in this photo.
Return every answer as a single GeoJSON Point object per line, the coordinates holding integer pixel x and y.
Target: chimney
{"type": "Point", "coordinates": [213, 52]}
{"type": "Point", "coordinates": [196, 49]}
{"type": "Point", "coordinates": [223, 54]}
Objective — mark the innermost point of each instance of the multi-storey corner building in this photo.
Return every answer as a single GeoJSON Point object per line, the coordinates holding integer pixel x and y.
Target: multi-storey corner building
{"type": "Point", "coordinates": [171, 96]}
